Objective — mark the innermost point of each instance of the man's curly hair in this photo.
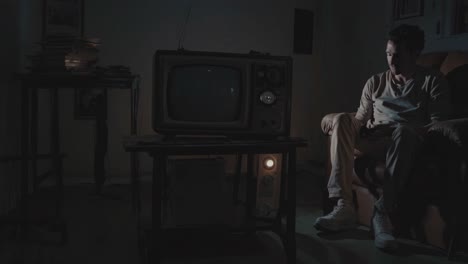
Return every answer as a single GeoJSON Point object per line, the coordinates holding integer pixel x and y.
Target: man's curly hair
{"type": "Point", "coordinates": [409, 35]}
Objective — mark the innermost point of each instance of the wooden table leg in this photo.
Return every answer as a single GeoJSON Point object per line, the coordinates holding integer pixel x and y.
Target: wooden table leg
{"type": "Point", "coordinates": [159, 171]}
{"type": "Point", "coordinates": [236, 180]}
{"type": "Point", "coordinates": [55, 149]}
{"type": "Point", "coordinates": [100, 147]}
{"type": "Point", "coordinates": [34, 129]}
{"type": "Point", "coordinates": [282, 195]}
{"type": "Point", "coordinates": [291, 207]}
{"type": "Point", "coordinates": [135, 182]}
{"type": "Point", "coordinates": [24, 160]}
{"type": "Point", "coordinates": [134, 164]}
{"type": "Point", "coordinates": [251, 193]}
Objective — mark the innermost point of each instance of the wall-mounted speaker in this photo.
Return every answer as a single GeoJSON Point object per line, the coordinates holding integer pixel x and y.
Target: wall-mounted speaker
{"type": "Point", "coordinates": [268, 168]}
{"type": "Point", "coordinates": [303, 31]}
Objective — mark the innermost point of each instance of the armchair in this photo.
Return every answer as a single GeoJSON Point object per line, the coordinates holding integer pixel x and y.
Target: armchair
{"type": "Point", "coordinates": [440, 170]}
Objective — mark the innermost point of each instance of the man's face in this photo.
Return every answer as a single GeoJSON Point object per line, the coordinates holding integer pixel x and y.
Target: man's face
{"type": "Point", "coordinates": [399, 58]}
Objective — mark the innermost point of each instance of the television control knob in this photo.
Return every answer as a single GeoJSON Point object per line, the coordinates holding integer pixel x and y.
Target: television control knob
{"type": "Point", "coordinates": [267, 97]}
{"type": "Point", "coordinates": [274, 75]}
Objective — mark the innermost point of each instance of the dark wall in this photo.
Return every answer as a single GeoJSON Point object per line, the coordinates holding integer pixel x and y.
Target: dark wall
{"type": "Point", "coordinates": [9, 98]}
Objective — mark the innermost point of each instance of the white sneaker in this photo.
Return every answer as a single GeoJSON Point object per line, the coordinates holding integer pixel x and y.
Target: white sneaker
{"type": "Point", "coordinates": [383, 231]}
{"type": "Point", "coordinates": [342, 217]}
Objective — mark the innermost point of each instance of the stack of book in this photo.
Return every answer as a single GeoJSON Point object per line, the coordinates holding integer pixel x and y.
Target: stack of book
{"type": "Point", "coordinates": [62, 53]}
{"type": "Point", "coordinates": [83, 56]}
{"type": "Point", "coordinates": [51, 57]}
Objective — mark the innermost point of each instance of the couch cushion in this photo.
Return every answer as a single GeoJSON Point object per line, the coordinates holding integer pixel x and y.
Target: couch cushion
{"type": "Point", "coordinates": [453, 60]}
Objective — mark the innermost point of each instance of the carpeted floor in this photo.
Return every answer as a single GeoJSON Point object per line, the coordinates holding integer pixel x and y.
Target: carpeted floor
{"type": "Point", "coordinates": [102, 229]}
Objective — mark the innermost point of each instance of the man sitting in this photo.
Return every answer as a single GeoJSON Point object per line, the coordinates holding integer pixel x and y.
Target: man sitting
{"type": "Point", "coordinates": [396, 108]}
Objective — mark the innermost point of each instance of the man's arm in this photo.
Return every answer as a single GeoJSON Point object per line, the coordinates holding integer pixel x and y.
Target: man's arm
{"type": "Point", "coordinates": [439, 100]}
{"type": "Point", "coordinates": [365, 110]}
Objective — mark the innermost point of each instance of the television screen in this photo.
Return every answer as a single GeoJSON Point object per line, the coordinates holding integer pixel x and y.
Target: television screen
{"type": "Point", "coordinates": [190, 87]}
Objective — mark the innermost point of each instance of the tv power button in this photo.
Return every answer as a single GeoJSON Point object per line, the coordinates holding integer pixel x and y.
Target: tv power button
{"type": "Point", "coordinates": [267, 97]}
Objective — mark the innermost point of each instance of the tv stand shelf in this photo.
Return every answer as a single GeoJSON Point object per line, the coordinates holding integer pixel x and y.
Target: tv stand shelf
{"type": "Point", "coordinates": [160, 148]}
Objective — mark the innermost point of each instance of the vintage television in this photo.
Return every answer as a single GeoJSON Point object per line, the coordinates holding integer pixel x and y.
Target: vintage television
{"type": "Point", "coordinates": [225, 94]}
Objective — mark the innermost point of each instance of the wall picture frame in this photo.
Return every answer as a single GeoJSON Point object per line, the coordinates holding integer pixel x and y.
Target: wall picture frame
{"type": "Point", "coordinates": [63, 17]}
{"type": "Point", "coordinates": [403, 9]}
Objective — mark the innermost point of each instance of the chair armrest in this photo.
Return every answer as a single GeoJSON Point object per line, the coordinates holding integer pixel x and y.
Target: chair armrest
{"type": "Point", "coordinates": [453, 132]}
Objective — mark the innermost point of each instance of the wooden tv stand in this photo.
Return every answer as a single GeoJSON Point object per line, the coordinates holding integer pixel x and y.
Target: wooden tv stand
{"type": "Point", "coordinates": [160, 148]}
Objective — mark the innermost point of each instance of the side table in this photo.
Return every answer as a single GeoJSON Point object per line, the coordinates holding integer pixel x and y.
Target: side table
{"type": "Point", "coordinates": [160, 148]}
{"type": "Point", "coordinates": [31, 83]}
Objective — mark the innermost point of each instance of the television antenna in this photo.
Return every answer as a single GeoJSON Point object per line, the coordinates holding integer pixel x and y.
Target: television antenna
{"type": "Point", "coordinates": [184, 27]}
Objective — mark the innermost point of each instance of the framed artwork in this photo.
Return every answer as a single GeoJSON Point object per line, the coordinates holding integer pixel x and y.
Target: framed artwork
{"type": "Point", "coordinates": [63, 17]}
{"type": "Point", "coordinates": [90, 102]}
{"type": "Point", "coordinates": [407, 8]}
{"type": "Point", "coordinates": [460, 17]}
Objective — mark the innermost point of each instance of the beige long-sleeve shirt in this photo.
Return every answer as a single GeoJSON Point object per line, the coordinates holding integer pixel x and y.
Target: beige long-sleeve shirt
{"type": "Point", "coordinates": [422, 100]}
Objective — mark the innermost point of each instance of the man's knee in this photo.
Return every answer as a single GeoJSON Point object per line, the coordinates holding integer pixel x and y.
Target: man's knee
{"type": "Point", "coordinates": [331, 121]}
{"type": "Point", "coordinates": [342, 120]}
